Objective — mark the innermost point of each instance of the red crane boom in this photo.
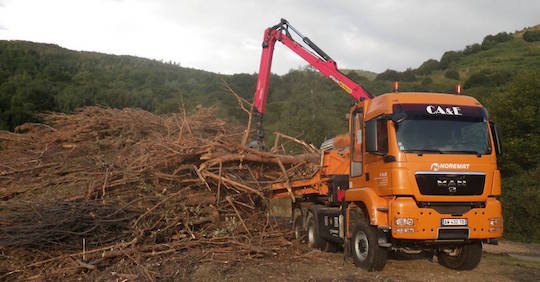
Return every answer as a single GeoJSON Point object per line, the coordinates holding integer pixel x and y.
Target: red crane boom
{"type": "Point", "coordinates": [321, 61]}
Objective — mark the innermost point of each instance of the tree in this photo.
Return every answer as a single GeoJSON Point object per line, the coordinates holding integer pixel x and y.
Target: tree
{"type": "Point", "coordinates": [531, 35]}
{"type": "Point", "coordinates": [516, 112]}
{"type": "Point", "coordinates": [490, 40]}
{"type": "Point", "coordinates": [427, 81]}
{"type": "Point", "coordinates": [471, 49]}
{"type": "Point", "coordinates": [488, 77]}
{"type": "Point", "coordinates": [354, 76]}
{"type": "Point", "coordinates": [407, 75]}
{"type": "Point", "coordinates": [448, 58]}
{"type": "Point", "coordinates": [428, 67]}
{"type": "Point", "coordinates": [452, 74]}
{"type": "Point", "coordinates": [520, 198]}
{"type": "Point", "coordinates": [388, 74]}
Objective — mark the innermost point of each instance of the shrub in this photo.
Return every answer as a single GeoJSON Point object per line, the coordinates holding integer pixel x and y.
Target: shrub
{"type": "Point", "coordinates": [531, 35]}
{"type": "Point", "coordinates": [477, 79]}
{"type": "Point", "coordinates": [388, 74]}
{"type": "Point", "coordinates": [428, 67]}
{"type": "Point", "coordinates": [392, 75]}
{"type": "Point", "coordinates": [471, 49]}
{"type": "Point", "coordinates": [427, 81]}
{"type": "Point", "coordinates": [354, 76]}
{"type": "Point", "coordinates": [490, 40]}
{"type": "Point", "coordinates": [448, 58]}
{"type": "Point", "coordinates": [520, 199]}
{"type": "Point", "coordinates": [452, 74]}
{"type": "Point", "coordinates": [407, 75]}
{"type": "Point", "coordinates": [515, 111]}
{"type": "Point", "coordinates": [488, 78]}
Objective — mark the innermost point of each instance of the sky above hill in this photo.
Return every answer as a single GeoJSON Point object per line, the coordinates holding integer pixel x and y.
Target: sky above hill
{"type": "Point", "coordinates": [225, 36]}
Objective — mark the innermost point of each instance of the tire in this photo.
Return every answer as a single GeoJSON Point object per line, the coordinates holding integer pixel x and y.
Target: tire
{"type": "Point", "coordinates": [298, 227]}
{"type": "Point", "coordinates": [364, 248]}
{"type": "Point", "coordinates": [466, 257]}
{"type": "Point", "coordinates": [313, 238]}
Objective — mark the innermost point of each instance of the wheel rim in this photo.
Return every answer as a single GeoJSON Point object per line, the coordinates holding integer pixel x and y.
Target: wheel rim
{"type": "Point", "coordinates": [361, 245]}
{"type": "Point", "coordinates": [311, 234]}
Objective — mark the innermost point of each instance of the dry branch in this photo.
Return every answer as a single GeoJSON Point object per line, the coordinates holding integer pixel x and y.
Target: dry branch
{"type": "Point", "coordinates": [127, 187]}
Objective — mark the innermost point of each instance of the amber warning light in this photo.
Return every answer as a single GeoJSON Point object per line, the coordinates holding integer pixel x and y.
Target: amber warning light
{"type": "Point", "coordinates": [458, 89]}
{"type": "Point", "coordinates": [395, 86]}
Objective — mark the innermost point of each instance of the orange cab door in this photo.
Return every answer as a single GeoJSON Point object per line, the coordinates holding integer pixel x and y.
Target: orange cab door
{"type": "Point", "coordinates": [377, 159]}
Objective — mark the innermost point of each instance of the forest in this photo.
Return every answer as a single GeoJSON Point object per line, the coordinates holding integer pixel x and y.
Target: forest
{"type": "Point", "coordinates": [502, 72]}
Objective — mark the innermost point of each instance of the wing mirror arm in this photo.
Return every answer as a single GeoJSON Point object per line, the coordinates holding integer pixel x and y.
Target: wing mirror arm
{"type": "Point", "coordinates": [399, 117]}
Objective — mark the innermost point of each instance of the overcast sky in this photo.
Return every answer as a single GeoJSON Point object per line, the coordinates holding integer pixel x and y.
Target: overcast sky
{"type": "Point", "coordinates": [225, 36]}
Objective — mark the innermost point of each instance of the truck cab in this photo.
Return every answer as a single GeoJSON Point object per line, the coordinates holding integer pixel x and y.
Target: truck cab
{"type": "Point", "coordinates": [416, 170]}
{"type": "Point", "coordinates": [429, 162]}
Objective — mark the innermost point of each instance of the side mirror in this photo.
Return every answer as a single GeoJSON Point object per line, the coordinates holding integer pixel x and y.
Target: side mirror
{"type": "Point", "coordinates": [371, 136]}
{"type": "Point", "coordinates": [496, 140]}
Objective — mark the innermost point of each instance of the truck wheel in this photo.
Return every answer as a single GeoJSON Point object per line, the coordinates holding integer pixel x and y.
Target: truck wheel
{"type": "Point", "coordinates": [298, 228]}
{"type": "Point", "coordinates": [364, 247]}
{"type": "Point", "coordinates": [313, 238]}
{"type": "Point", "coordinates": [465, 257]}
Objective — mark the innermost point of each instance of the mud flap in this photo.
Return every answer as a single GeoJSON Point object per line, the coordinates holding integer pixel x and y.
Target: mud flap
{"type": "Point", "coordinates": [382, 236]}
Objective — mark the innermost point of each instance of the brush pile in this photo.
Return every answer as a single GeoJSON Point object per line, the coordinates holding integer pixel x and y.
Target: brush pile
{"type": "Point", "coordinates": [130, 193]}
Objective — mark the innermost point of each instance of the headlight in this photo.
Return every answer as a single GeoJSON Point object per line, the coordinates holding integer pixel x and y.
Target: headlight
{"type": "Point", "coordinates": [495, 224]}
{"type": "Point", "coordinates": [494, 221]}
{"type": "Point", "coordinates": [401, 221]}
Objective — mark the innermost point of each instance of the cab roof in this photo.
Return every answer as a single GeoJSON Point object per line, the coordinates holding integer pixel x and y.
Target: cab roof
{"type": "Point", "coordinates": [383, 104]}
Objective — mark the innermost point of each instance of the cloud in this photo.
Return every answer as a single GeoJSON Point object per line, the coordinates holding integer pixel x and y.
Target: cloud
{"type": "Point", "coordinates": [226, 36]}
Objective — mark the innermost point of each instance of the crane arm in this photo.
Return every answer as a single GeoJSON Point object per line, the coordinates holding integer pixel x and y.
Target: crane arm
{"type": "Point", "coordinates": [321, 61]}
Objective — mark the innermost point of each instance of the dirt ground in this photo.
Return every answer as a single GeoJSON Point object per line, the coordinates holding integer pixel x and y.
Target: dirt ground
{"type": "Point", "coordinates": [508, 261]}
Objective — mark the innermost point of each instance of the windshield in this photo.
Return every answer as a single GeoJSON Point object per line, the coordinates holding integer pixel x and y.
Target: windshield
{"type": "Point", "coordinates": [443, 136]}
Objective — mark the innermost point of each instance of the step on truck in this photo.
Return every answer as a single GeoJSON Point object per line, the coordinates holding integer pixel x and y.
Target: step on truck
{"type": "Point", "coordinates": [416, 171]}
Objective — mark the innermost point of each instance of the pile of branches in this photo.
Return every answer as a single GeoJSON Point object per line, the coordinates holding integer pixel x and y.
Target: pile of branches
{"type": "Point", "coordinates": [112, 189]}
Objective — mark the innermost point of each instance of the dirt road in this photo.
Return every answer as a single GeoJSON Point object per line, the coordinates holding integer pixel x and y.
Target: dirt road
{"type": "Point", "coordinates": [506, 262]}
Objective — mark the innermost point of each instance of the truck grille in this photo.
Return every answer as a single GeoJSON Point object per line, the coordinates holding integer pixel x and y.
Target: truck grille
{"type": "Point", "coordinates": [449, 183]}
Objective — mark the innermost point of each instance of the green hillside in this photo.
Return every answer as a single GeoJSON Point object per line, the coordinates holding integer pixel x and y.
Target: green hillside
{"type": "Point", "coordinates": [37, 77]}
{"type": "Point", "coordinates": [502, 71]}
{"type": "Point", "coordinates": [478, 67]}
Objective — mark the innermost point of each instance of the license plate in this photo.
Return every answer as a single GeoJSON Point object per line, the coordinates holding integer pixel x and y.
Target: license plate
{"type": "Point", "coordinates": [454, 222]}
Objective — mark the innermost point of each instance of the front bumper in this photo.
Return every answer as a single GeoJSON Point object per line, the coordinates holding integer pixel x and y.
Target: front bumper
{"type": "Point", "coordinates": [408, 221]}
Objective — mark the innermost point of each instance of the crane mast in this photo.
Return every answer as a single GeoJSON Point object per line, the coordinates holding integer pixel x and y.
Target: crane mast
{"type": "Point", "coordinates": [319, 60]}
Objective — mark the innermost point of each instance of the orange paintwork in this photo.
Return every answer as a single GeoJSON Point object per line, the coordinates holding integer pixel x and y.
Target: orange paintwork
{"type": "Point", "coordinates": [496, 187]}
{"type": "Point", "coordinates": [342, 141]}
{"type": "Point", "coordinates": [427, 221]}
{"type": "Point", "coordinates": [333, 162]}
{"type": "Point", "coordinates": [373, 203]}
{"type": "Point", "coordinates": [392, 188]}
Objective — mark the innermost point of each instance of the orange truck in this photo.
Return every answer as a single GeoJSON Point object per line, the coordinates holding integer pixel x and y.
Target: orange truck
{"type": "Point", "coordinates": [416, 171]}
